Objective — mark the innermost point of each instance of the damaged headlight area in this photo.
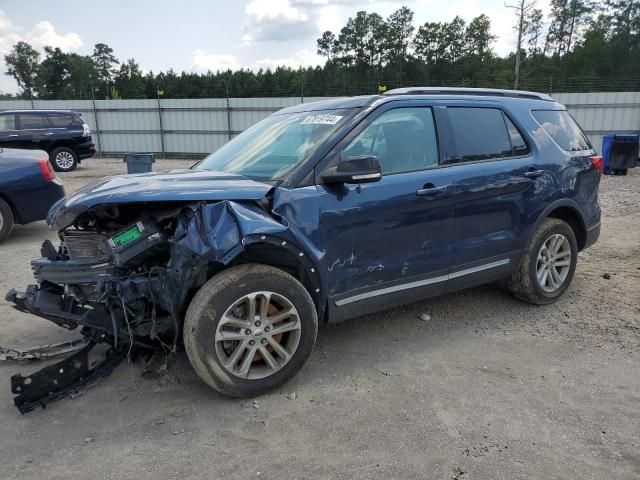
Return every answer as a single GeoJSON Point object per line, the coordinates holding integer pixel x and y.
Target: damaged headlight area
{"type": "Point", "coordinates": [124, 281]}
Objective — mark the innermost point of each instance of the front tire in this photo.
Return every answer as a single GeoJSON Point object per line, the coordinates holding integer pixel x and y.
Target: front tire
{"type": "Point", "coordinates": [63, 159]}
{"type": "Point", "coordinates": [6, 220]}
{"type": "Point", "coordinates": [250, 329]}
{"type": "Point", "coordinates": [548, 264]}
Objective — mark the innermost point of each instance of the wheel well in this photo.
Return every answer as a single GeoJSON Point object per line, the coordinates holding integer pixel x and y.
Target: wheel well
{"type": "Point", "coordinates": [571, 216]}
{"type": "Point", "coordinates": [60, 143]}
{"type": "Point", "coordinates": [14, 210]}
{"type": "Point", "coordinates": [282, 258]}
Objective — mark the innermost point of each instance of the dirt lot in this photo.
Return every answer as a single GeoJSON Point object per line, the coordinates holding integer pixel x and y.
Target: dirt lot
{"type": "Point", "coordinates": [487, 388]}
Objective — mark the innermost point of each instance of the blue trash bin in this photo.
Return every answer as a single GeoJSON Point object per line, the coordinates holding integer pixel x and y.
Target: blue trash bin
{"type": "Point", "coordinates": [139, 162]}
{"type": "Point", "coordinates": [620, 152]}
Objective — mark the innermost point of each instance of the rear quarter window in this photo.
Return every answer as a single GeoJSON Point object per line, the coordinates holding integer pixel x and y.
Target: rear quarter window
{"type": "Point", "coordinates": [60, 120]}
{"type": "Point", "coordinates": [563, 129]}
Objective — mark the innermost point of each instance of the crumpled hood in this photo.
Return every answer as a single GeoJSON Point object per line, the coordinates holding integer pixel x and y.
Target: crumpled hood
{"type": "Point", "coordinates": [176, 186]}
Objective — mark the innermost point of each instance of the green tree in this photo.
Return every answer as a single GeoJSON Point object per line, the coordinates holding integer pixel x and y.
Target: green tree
{"type": "Point", "coordinates": [105, 63]}
{"type": "Point", "coordinates": [399, 28]}
{"type": "Point", "coordinates": [568, 18]}
{"type": "Point", "coordinates": [429, 43]}
{"type": "Point", "coordinates": [478, 37]}
{"type": "Point", "coordinates": [453, 37]}
{"type": "Point", "coordinates": [326, 45]}
{"type": "Point", "coordinates": [533, 31]}
{"type": "Point", "coordinates": [625, 22]}
{"type": "Point", "coordinates": [82, 76]}
{"type": "Point", "coordinates": [53, 74]}
{"type": "Point", "coordinates": [130, 82]}
{"type": "Point", "coordinates": [22, 64]}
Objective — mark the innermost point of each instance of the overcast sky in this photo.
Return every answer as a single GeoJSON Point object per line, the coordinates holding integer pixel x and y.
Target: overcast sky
{"type": "Point", "coordinates": [201, 35]}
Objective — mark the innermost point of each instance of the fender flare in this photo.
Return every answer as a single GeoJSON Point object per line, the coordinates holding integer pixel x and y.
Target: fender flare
{"type": "Point", "coordinates": [562, 202]}
{"type": "Point", "coordinates": [308, 264]}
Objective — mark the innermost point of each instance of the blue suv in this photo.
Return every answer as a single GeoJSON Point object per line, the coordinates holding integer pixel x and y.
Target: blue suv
{"type": "Point", "coordinates": [321, 212]}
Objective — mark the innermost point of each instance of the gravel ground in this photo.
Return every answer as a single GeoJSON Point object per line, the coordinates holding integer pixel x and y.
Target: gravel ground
{"type": "Point", "coordinates": [481, 387]}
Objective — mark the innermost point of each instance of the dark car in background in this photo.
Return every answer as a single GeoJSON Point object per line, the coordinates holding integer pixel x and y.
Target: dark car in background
{"type": "Point", "coordinates": [322, 212]}
{"type": "Point", "coordinates": [61, 133]}
{"type": "Point", "coordinates": [28, 188]}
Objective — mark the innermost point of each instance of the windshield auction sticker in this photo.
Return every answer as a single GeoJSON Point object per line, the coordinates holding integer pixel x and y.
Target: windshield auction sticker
{"type": "Point", "coordinates": [321, 119]}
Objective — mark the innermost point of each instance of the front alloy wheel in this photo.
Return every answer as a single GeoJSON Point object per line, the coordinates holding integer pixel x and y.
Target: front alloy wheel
{"type": "Point", "coordinates": [249, 329]}
{"type": "Point", "coordinates": [257, 335]}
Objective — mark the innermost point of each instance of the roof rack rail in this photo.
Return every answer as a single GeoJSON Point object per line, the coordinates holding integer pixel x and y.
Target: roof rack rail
{"type": "Point", "coordinates": [489, 92]}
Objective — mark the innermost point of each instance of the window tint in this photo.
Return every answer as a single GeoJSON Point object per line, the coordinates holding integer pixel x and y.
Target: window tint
{"type": "Point", "coordinates": [563, 129]}
{"type": "Point", "coordinates": [518, 145]}
{"type": "Point", "coordinates": [403, 139]}
{"type": "Point", "coordinates": [60, 120]}
{"type": "Point", "coordinates": [32, 120]}
{"type": "Point", "coordinates": [480, 134]}
{"type": "Point", "coordinates": [7, 122]}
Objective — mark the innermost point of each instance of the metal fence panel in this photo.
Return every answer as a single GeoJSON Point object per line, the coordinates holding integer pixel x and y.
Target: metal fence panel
{"type": "Point", "coordinates": [200, 126]}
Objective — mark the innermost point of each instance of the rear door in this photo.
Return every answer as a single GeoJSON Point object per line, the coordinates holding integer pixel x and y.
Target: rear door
{"type": "Point", "coordinates": [498, 179]}
{"type": "Point", "coordinates": [35, 131]}
{"type": "Point", "coordinates": [64, 127]}
{"type": "Point", "coordinates": [9, 136]}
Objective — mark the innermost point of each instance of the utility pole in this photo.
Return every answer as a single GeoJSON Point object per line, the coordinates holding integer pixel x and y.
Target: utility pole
{"type": "Point", "coordinates": [522, 9]}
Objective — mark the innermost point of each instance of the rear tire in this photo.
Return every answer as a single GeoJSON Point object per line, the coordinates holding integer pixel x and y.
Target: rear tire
{"type": "Point", "coordinates": [6, 220]}
{"type": "Point", "coordinates": [548, 264]}
{"type": "Point", "coordinates": [63, 159]}
{"type": "Point", "coordinates": [250, 329]}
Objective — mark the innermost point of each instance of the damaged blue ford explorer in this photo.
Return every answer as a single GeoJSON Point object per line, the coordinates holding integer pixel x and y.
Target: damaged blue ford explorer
{"type": "Point", "coordinates": [321, 212]}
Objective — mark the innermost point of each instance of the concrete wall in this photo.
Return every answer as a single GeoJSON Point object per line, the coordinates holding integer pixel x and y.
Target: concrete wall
{"type": "Point", "coordinates": [200, 126]}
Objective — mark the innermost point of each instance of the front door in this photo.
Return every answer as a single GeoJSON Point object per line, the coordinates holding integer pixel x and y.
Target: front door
{"type": "Point", "coordinates": [387, 242]}
{"type": "Point", "coordinates": [9, 135]}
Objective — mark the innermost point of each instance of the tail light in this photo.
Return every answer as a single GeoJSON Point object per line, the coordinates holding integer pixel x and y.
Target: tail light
{"type": "Point", "coordinates": [86, 131]}
{"type": "Point", "coordinates": [598, 162]}
{"type": "Point", "coordinates": [46, 169]}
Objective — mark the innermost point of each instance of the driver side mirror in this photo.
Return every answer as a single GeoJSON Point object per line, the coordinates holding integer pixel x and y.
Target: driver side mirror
{"type": "Point", "coordinates": [356, 169]}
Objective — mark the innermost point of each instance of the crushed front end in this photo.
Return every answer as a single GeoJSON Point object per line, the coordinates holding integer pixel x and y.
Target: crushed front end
{"type": "Point", "coordinates": [124, 279]}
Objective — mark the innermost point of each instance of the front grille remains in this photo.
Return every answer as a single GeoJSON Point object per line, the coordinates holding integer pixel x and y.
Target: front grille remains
{"type": "Point", "coordinates": [85, 245]}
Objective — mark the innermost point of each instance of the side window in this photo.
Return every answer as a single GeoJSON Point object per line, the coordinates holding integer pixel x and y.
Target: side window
{"type": "Point", "coordinates": [518, 145]}
{"type": "Point", "coordinates": [7, 122]}
{"type": "Point", "coordinates": [403, 139]}
{"type": "Point", "coordinates": [60, 120]}
{"type": "Point", "coordinates": [480, 134]}
{"type": "Point", "coordinates": [32, 120]}
{"type": "Point", "coordinates": [563, 129]}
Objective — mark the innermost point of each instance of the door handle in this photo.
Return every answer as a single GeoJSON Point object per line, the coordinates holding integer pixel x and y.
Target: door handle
{"type": "Point", "coordinates": [533, 173]}
{"type": "Point", "coordinates": [48, 133]}
{"type": "Point", "coordinates": [13, 135]}
{"type": "Point", "coordinates": [429, 189]}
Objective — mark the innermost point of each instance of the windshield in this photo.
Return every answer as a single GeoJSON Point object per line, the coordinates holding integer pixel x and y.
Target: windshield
{"type": "Point", "coordinates": [270, 149]}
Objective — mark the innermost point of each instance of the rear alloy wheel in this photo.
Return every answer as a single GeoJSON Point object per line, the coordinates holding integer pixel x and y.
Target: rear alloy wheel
{"type": "Point", "coordinates": [63, 159]}
{"type": "Point", "coordinates": [553, 263]}
{"type": "Point", "coordinates": [6, 220]}
{"type": "Point", "coordinates": [250, 329]}
{"type": "Point", "coordinates": [548, 263]}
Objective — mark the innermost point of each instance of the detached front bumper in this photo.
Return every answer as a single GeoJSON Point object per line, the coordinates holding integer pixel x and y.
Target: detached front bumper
{"type": "Point", "coordinates": [62, 379]}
